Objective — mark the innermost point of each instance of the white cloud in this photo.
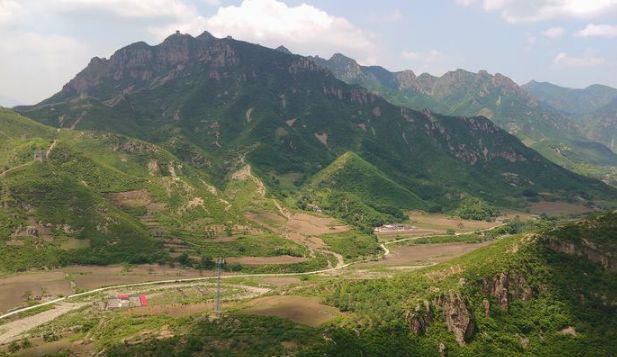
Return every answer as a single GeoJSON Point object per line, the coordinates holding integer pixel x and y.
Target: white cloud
{"type": "Point", "coordinates": [598, 30]}
{"type": "Point", "coordinates": [515, 11]}
{"type": "Point", "coordinates": [588, 59]}
{"type": "Point", "coordinates": [303, 28]}
{"type": "Point", "coordinates": [10, 12]}
{"type": "Point", "coordinates": [554, 32]}
{"type": "Point", "coordinates": [432, 61]}
{"type": "Point", "coordinates": [33, 66]}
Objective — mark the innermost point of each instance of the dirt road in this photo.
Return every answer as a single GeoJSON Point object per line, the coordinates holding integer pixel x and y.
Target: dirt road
{"type": "Point", "coordinates": [15, 328]}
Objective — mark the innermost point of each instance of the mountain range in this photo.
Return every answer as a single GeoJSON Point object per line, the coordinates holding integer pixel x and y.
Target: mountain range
{"type": "Point", "coordinates": [594, 108]}
{"type": "Point", "coordinates": [540, 126]}
{"type": "Point", "coordinates": [217, 103]}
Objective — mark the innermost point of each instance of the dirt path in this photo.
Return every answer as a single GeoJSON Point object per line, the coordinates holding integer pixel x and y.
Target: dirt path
{"type": "Point", "coordinates": [74, 125]}
{"type": "Point", "coordinates": [15, 328]}
{"type": "Point", "coordinates": [51, 147]}
{"type": "Point", "coordinates": [2, 174]}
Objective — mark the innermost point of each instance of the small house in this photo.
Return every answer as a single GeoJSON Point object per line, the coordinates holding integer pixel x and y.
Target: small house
{"type": "Point", "coordinates": [123, 301]}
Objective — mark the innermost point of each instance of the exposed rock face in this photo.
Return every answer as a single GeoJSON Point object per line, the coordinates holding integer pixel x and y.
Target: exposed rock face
{"type": "Point", "coordinates": [441, 349]}
{"type": "Point", "coordinates": [487, 308]}
{"type": "Point", "coordinates": [419, 319]}
{"type": "Point", "coordinates": [23, 231]}
{"type": "Point", "coordinates": [458, 315]}
{"type": "Point", "coordinates": [507, 286]}
{"type": "Point", "coordinates": [586, 250]}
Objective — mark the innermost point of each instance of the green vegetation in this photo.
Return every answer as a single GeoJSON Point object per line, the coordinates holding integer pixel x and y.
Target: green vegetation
{"type": "Point", "coordinates": [234, 335]}
{"type": "Point", "coordinates": [329, 144]}
{"type": "Point", "coordinates": [476, 209]}
{"type": "Point", "coordinates": [562, 127]}
{"type": "Point", "coordinates": [462, 238]}
{"type": "Point", "coordinates": [352, 245]}
{"type": "Point", "coordinates": [552, 277]}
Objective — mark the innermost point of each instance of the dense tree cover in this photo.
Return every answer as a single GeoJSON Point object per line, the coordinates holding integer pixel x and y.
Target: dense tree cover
{"type": "Point", "coordinates": [476, 209]}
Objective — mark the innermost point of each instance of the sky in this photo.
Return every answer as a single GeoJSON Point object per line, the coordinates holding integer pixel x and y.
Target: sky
{"type": "Point", "coordinates": [573, 43]}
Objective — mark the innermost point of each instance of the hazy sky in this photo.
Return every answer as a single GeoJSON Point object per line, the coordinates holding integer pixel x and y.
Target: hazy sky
{"type": "Point", "coordinates": [573, 43]}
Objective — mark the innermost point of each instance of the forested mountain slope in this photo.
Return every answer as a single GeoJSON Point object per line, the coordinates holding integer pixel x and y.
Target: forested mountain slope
{"type": "Point", "coordinates": [593, 108]}
{"type": "Point", "coordinates": [551, 132]}
{"type": "Point", "coordinates": [216, 103]}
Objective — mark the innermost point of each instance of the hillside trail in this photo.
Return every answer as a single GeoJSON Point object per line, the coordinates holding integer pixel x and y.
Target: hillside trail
{"type": "Point", "coordinates": [2, 174]}
{"type": "Point", "coordinates": [51, 147]}
{"type": "Point", "coordinates": [47, 153]}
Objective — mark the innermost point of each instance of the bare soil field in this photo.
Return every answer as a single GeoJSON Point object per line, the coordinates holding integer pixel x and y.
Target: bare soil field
{"type": "Point", "coordinates": [312, 225]}
{"type": "Point", "coordinates": [424, 254]}
{"type": "Point", "coordinates": [92, 277]}
{"type": "Point", "coordinates": [14, 288]}
{"type": "Point", "coordinates": [281, 282]}
{"type": "Point", "coordinates": [280, 259]}
{"type": "Point", "coordinates": [56, 283]}
{"type": "Point", "coordinates": [436, 223]}
{"type": "Point", "coordinates": [304, 310]}
{"type": "Point", "coordinates": [558, 208]}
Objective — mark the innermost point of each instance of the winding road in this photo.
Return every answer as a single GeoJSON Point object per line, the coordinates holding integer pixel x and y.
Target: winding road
{"type": "Point", "coordinates": [13, 329]}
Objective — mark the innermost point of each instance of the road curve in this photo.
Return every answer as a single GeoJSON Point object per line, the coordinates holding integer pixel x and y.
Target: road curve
{"type": "Point", "coordinates": [314, 272]}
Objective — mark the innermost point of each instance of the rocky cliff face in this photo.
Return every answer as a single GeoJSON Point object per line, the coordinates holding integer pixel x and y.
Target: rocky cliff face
{"type": "Point", "coordinates": [505, 287]}
{"type": "Point", "coordinates": [586, 250]}
{"type": "Point", "coordinates": [420, 318]}
{"type": "Point", "coordinates": [458, 316]}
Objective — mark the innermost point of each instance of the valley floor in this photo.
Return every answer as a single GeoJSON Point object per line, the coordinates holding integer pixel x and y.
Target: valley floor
{"type": "Point", "coordinates": [74, 292]}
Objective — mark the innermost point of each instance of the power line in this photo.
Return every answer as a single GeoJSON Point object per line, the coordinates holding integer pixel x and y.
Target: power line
{"type": "Point", "coordinates": [217, 303]}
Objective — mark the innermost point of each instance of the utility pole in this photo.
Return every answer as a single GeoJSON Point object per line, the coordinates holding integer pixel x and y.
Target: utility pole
{"type": "Point", "coordinates": [217, 302]}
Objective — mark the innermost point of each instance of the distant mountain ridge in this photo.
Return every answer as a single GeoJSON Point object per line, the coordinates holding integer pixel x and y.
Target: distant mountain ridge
{"type": "Point", "coordinates": [570, 100]}
{"type": "Point", "coordinates": [593, 108]}
{"type": "Point", "coordinates": [496, 97]}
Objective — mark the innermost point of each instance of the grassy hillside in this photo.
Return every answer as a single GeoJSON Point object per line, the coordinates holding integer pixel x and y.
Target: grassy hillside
{"type": "Point", "coordinates": [106, 198]}
{"type": "Point", "coordinates": [355, 190]}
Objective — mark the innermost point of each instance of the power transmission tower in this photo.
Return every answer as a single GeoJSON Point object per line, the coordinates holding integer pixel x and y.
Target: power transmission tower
{"type": "Point", "coordinates": [217, 302]}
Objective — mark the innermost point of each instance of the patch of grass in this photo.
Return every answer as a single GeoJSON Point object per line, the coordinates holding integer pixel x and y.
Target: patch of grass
{"type": "Point", "coordinates": [352, 245]}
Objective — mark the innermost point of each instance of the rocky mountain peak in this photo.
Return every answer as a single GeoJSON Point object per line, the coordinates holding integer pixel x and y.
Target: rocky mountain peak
{"type": "Point", "coordinates": [342, 59]}
{"type": "Point", "coordinates": [205, 36]}
{"type": "Point", "coordinates": [283, 49]}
